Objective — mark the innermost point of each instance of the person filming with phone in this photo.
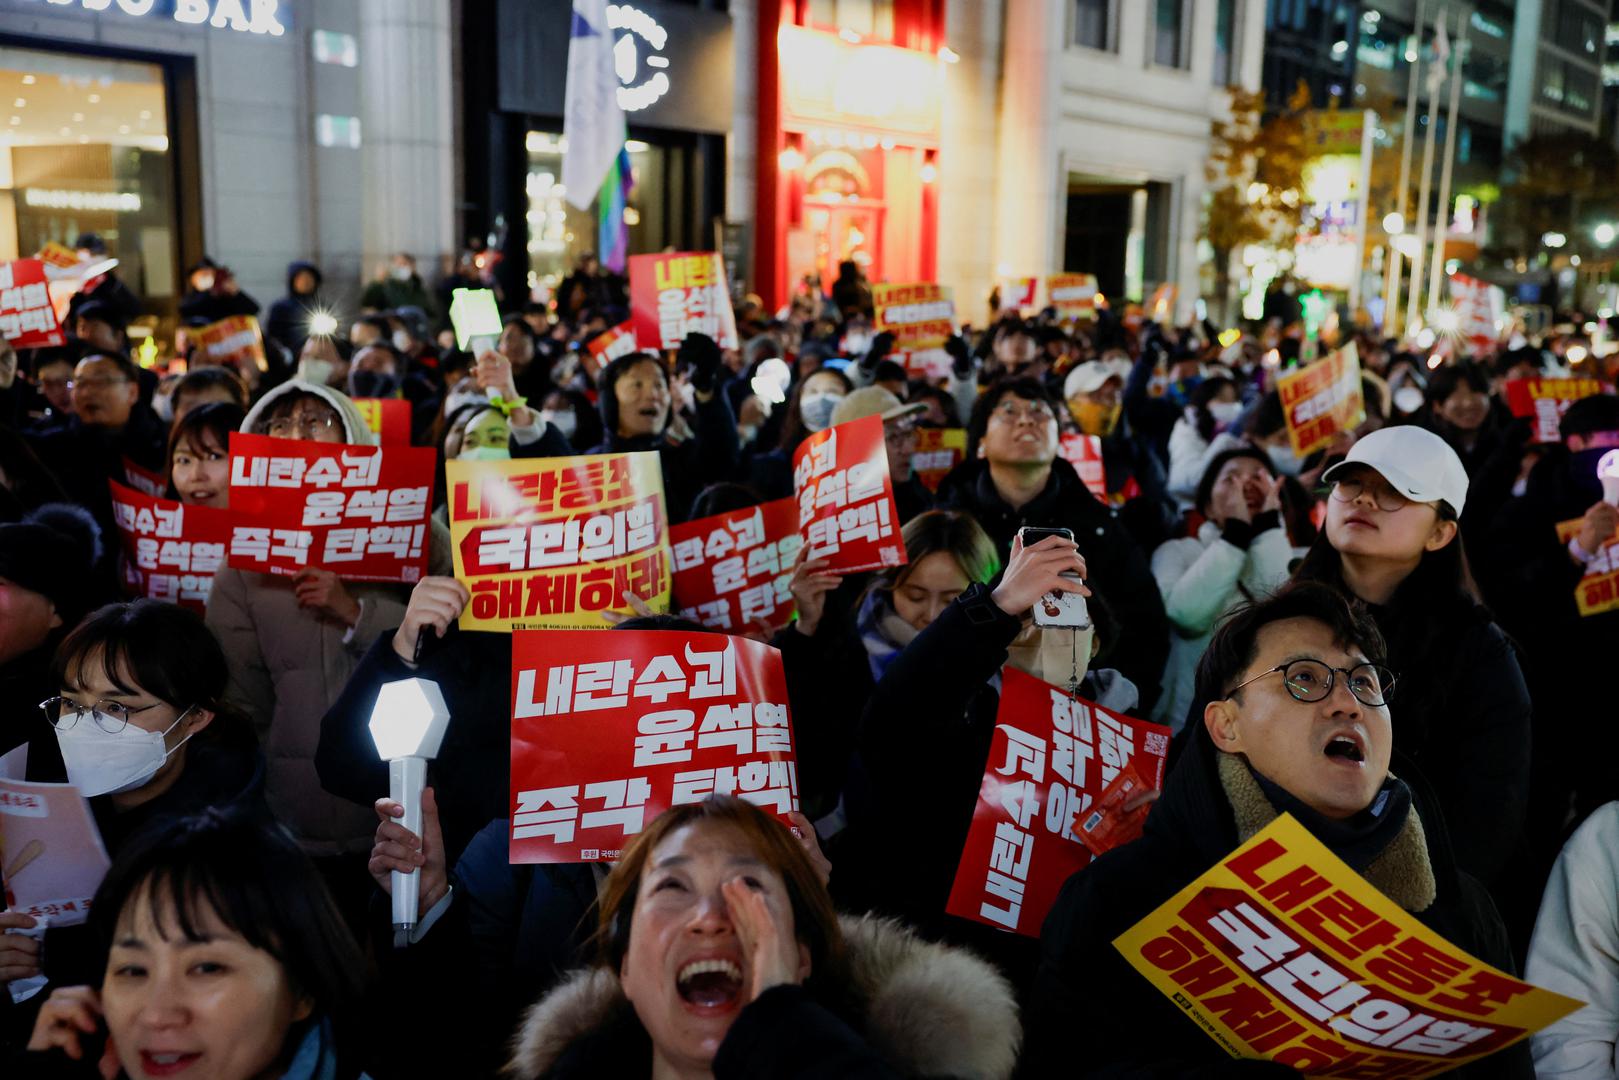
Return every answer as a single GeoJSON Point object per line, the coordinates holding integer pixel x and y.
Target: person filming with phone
{"type": "Point", "coordinates": [927, 729]}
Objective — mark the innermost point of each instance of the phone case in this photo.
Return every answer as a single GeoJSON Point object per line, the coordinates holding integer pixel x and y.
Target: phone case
{"type": "Point", "coordinates": [1060, 609]}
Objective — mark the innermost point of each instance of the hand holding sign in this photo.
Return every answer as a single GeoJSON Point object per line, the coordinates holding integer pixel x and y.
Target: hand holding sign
{"type": "Point", "coordinates": [811, 583]}
{"type": "Point", "coordinates": [19, 955]}
{"type": "Point", "coordinates": [322, 592]}
{"type": "Point", "coordinates": [435, 603]}
{"type": "Point", "coordinates": [1598, 527]}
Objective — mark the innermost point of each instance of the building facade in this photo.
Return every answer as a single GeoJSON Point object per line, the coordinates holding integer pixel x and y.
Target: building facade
{"type": "Point", "coordinates": [256, 133]}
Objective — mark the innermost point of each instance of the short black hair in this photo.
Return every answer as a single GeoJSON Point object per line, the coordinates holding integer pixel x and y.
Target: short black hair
{"type": "Point", "coordinates": [1452, 377]}
{"type": "Point", "coordinates": [248, 872]}
{"type": "Point", "coordinates": [1599, 412]}
{"type": "Point", "coordinates": [199, 380]}
{"type": "Point", "coordinates": [616, 369]}
{"type": "Point", "coordinates": [124, 363]}
{"type": "Point", "coordinates": [1205, 486]}
{"type": "Point", "coordinates": [1267, 417]}
{"type": "Point", "coordinates": [1236, 642]}
{"type": "Point", "coordinates": [1026, 387]}
{"type": "Point", "coordinates": [1527, 354]}
{"type": "Point", "coordinates": [888, 371]}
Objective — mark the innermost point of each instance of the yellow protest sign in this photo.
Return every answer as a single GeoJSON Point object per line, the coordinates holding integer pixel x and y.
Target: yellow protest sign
{"type": "Point", "coordinates": [1323, 400]}
{"type": "Point", "coordinates": [1281, 952]}
{"type": "Point", "coordinates": [554, 543]}
{"type": "Point", "coordinates": [1598, 590]}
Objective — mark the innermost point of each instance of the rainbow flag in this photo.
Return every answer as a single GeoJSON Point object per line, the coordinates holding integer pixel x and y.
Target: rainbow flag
{"type": "Point", "coordinates": [613, 236]}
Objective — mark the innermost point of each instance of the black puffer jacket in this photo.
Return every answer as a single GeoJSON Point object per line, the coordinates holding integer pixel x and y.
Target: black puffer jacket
{"type": "Point", "coordinates": [1087, 994]}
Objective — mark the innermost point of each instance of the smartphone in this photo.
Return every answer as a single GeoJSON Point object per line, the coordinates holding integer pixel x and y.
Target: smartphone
{"type": "Point", "coordinates": [1057, 609]}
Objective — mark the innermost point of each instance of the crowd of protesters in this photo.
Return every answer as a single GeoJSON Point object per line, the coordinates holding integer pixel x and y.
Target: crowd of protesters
{"type": "Point", "coordinates": [1380, 638]}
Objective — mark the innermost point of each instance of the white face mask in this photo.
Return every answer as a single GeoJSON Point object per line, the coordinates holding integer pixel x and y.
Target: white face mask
{"type": "Point", "coordinates": [563, 420]}
{"type": "Point", "coordinates": [1224, 412]}
{"type": "Point", "coordinates": [1286, 461]}
{"type": "Point", "coordinates": [402, 341]}
{"type": "Point", "coordinates": [746, 433]}
{"type": "Point", "coordinates": [102, 764]}
{"type": "Point", "coordinates": [816, 409]}
{"type": "Point", "coordinates": [401, 273]}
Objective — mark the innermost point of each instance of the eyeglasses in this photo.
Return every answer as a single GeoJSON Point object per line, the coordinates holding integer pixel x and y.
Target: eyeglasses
{"type": "Point", "coordinates": [110, 716]}
{"type": "Point", "coordinates": [287, 427]}
{"type": "Point", "coordinates": [1011, 412]}
{"type": "Point", "coordinates": [900, 431]}
{"type": "Point", "coordinates": [1386, 498]}
{"type": "Point", "coordinates": [1312, 680]}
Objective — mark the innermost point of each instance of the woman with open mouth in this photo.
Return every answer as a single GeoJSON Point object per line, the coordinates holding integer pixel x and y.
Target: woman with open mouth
{"type": "Point", "coordinates": [720, 956]}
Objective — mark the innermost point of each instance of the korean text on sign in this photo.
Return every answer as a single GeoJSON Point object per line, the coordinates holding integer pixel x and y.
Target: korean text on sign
{"type": "Point", "coordinates": [358, 511]}
{"type": "Point", "coordinates": [846, 511]}
{"type": "Point", "coordinates": [553, 543]}
{"type": "Point", "coordinates": [387, 418]}
{"type": "Point", "coordinates": [171, 551]}
{"type": "Point", "coordinates": [1282, 952]}
{"type": "Point", "coordinates": [1545, 401]}
{"type": "Point", "coordinates": [672, 295]}
{"type": "Point", "coordinates": [236, 342]}
{"type": "Point", "coordinates": [1053, 759]}
{"type": "Point", "coordinates": [732, 570]}
{"type": "Point", "coordinates": [613, 343]}
{"type": "Point", "coordinates": [1073, 295]}
{"type": "Point", "coordinates": [920, 316]}
{"type": "Point", "coordinates": [938, 450]}
{"type": "Point", "coordinates": [610, 730]}
{"type": "Point", "coordinates": [1084, 453]}
{"type": "Point", "coordinates": [51, 850]}
{"type": "Point", "coordinates": [1323, 400]}
{"type": "Point", "coordinates": [1598, 588]}
{"type": "Point", "coordinates": [27, 319]}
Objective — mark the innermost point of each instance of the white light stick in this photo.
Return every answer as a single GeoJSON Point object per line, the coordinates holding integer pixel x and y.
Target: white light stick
{"type": "Point", "coordinates": [1608, 473]}
{"type": "Point", "coordinates": [407, 724]}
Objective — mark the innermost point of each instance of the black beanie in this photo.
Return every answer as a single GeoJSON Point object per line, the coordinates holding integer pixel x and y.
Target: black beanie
{"type": "Point", "coordinates": [53, 556]}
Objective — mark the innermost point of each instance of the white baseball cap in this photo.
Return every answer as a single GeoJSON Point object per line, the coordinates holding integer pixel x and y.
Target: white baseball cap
{"type": "Point", "coordinates": [1092, 375]}
{"type": "Point", "coordinates": [1416, 463]}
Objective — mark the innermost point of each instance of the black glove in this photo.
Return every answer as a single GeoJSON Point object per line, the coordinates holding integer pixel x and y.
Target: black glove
{"type": "Point", "coordinates": [701, 356]}
{"type": "Point", "coordinates": [881, 346]}
{"type": "Point", "coordinates": [961, 360]}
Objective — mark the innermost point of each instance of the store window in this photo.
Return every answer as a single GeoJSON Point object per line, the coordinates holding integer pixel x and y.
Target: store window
{"type": "Point", "coordinates": [1169, 33]}
{"type": "Point", "coordinates": [1093, 24]}
{"type": "Point", "coordinates": [558, 233]}
{"type": "Point", "coordinates": [868, 18]}
{"type": "Point", "coordinates": [85, 148]}
{"type": "Point", "coordinates": [1225, 42]}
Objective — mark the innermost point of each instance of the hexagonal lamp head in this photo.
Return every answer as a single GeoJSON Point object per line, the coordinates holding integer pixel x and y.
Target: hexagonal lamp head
{"type": "Point", "coordinates": [409, 719]}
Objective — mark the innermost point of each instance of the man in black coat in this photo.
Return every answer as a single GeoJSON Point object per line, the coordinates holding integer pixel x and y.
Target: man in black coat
{"type": "Point", "coordinates": [1263, 749]}
{"type": "Point", "coordinates": [1012, 478]}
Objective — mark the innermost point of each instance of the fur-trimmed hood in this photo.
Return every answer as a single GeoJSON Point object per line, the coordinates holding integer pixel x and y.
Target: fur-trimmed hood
{"type": "Point", "coordinates": [355, 431]}
{"type": "Point", "coordinates": [928, 1009]}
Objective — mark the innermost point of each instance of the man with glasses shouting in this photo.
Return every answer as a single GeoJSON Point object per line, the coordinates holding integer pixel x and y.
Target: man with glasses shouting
{"type": "Point", "coordinates": [1295, 705]}
{"type": "Point", "coordinates": [1013, 477]}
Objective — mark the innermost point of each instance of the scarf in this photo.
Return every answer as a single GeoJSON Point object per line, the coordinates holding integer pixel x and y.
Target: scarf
{"type": "Point", "coordinates": [883, 633]}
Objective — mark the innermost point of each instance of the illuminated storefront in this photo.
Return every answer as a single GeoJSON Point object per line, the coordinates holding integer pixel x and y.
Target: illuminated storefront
{"type": "Point", "coordinates": [849, 131]}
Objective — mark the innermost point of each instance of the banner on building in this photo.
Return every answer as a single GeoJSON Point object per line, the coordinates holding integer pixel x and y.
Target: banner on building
{"type": "Point", "coordinates": [938, 450]}
{"type": "Point", "coordinates": [1059, 774]}
{"type": "Point", "coordinates": [732, 570]}
{"type": "Point", "coordinates": [1323, 401]}
{"type": "Point", "coordinates": [1281, 952]}
{"type": "Point", "coordinates": [171, 551]}
{"type": "Point", "coordinates": [1545, 401]}
{"type": "Point", "coordinates": [387, 418]}
{"type": "Point", "coordinates": [236, 343]}
{"type": "Point", "coordinates": [672, 295]}
{"type": "Point", "coordinates": [555, 543]}
{"type": "Point", "coordinates": [27, 319]}
{"type": "Point", "coordinates": [846, 511]}
{"type": "Point", "coordinates": [359, 511]}
{"type": "Point", "coordinates": [1073, 295]}
{"type": "Point", "coordinates": [611, 730]}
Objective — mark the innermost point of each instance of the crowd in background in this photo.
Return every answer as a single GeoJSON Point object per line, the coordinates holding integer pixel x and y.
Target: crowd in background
{"type": "Point", "coordinates": [1408, 583]}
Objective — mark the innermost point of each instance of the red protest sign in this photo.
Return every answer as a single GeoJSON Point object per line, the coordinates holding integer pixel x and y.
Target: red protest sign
{"type": "Point", "coordinates": [1323, 401]}
{"type": "Point", "coordinates": [732, 570]}
{"type": "Point", "coordinates": [553, 543]}
{"type": "Point", "coordinates": [358, 511]}
{"type": "Point", "coordinates": [613, 343]}
{"type": "Point", "coordinates": [938, 450]}
{"type": "Point", "coordinates": [1545, 401]}
{"type": "Point", "coordinates": [143, 479]}
{"type": "Point", "coordinates": [27, 319]}
{"type": "Point", "coordinates": [1084, 453]}
{"type": "Point", "coordinates": [1073, 295]}
{"type": "Point", "coordinates": [846, 511]}
{"type": "Point", "coordinates": [610, 730]}
{"type": "Point", "coordinates": [1479, 308]}
{"type": "Point", "coordinates": [1019, 292]}
{"type": "Point", "coordinates": [171, 551]}
{"type": "Point", "coordinates": [1052, 761]}
{"type": "Point", "coordinates": [675, 294]}
{"type": "Point", "coordinates": [388, 419]}
{"type": "Point", "coordinates": [236, 342]}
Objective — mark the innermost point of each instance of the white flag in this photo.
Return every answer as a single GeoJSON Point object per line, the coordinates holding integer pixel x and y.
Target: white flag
{"type": "Point", "coordinates": [592, 120]}
{"type": "Point", "coordinates": [1441, 55]}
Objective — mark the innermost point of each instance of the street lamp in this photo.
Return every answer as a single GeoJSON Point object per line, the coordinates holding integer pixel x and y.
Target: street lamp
{"type": "Point", "coordinates": [1394, 223]}
{"type": "Point", "coordinates": [1605, 233]}
{"type": "Point", "coordinates": [1553, 239]}
{"type": "Point", "coordinates": [407, 724]}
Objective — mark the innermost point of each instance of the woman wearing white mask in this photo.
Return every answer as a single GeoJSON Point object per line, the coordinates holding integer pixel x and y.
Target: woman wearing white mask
{"type": "Point", "coordinates": [1214, 407]}
{"type": "Point", "coordinates": [144, 734]}
{"type": "Point", "coordinates": [809, 409]}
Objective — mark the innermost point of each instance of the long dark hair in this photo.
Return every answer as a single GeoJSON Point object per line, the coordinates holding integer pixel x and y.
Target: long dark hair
{"type": "Point", "coordinates": [206, 427]}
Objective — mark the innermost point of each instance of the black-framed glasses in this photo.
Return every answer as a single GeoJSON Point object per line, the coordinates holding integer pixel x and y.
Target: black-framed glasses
{"type": "Point", "coordinates": [1387, 499]}
{"type": "Point", "coordinates": [110, 716]}
{"type": "Point", "coordinates": [1312, 680]}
